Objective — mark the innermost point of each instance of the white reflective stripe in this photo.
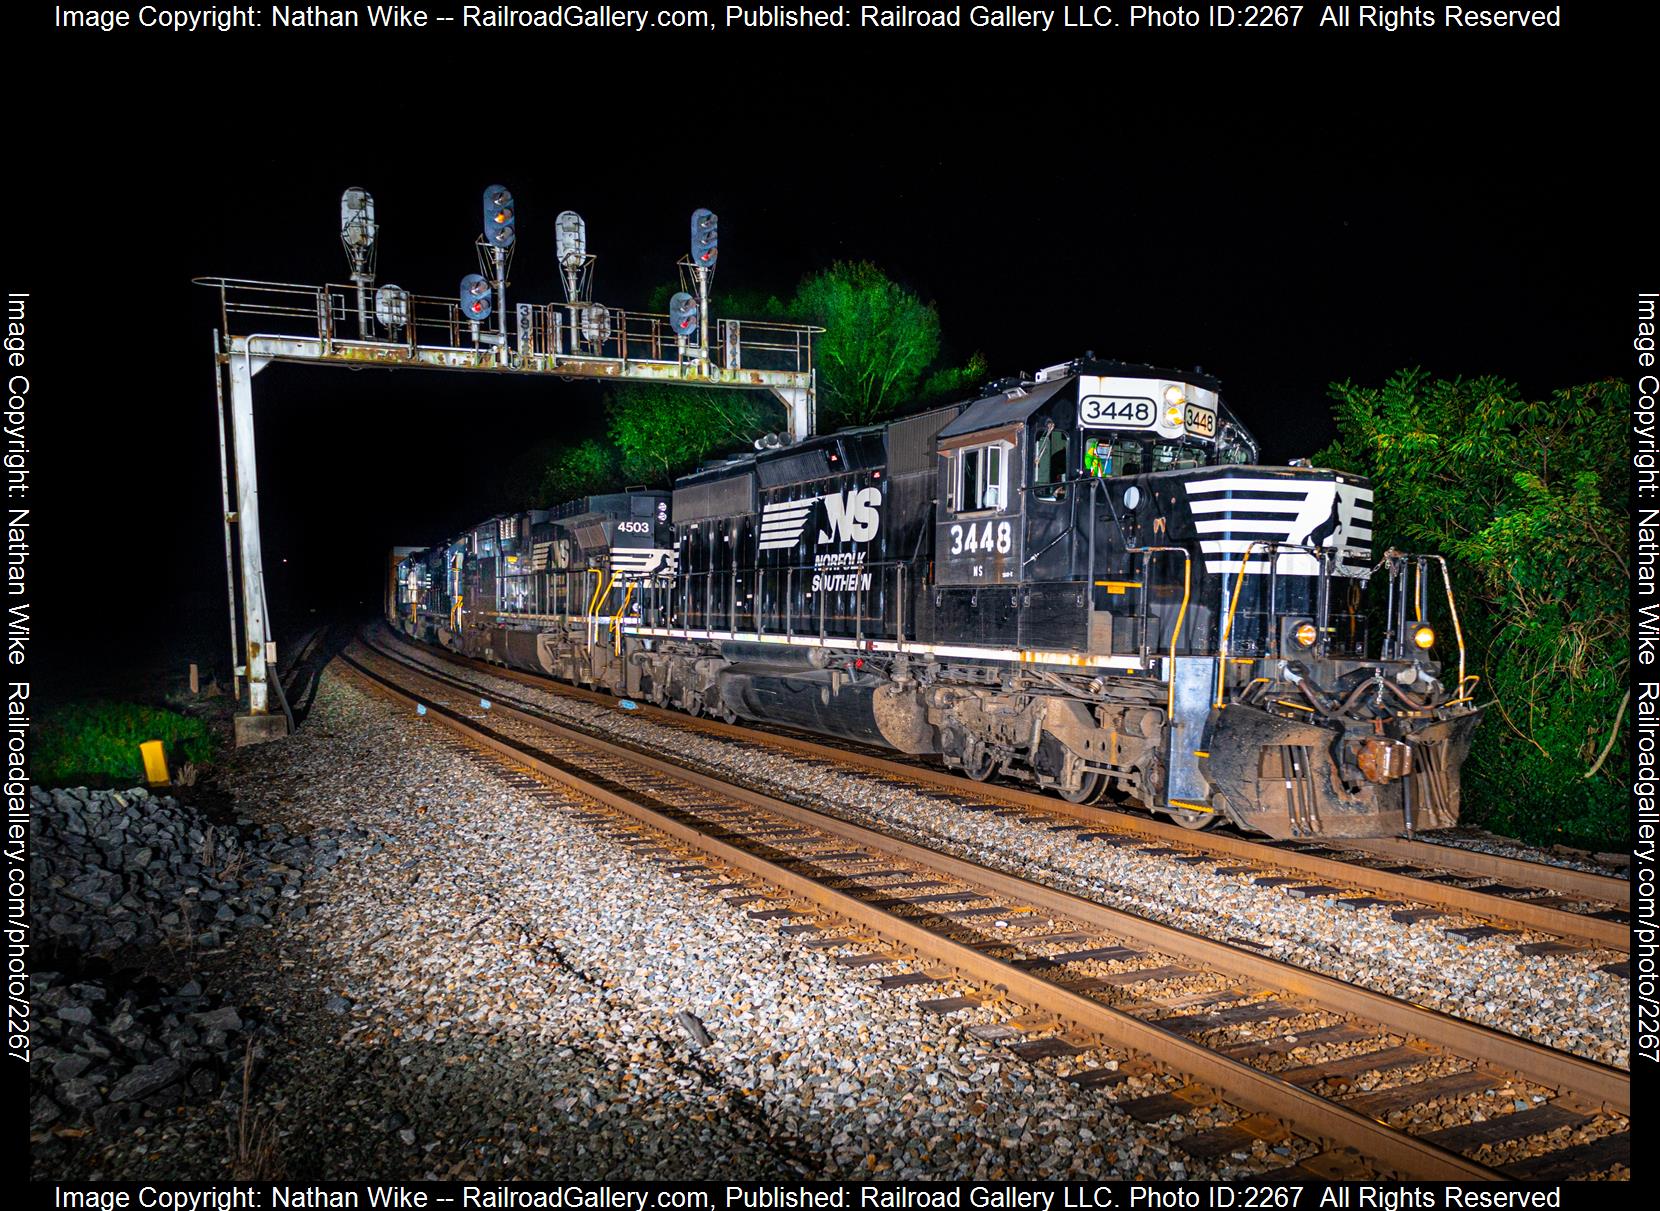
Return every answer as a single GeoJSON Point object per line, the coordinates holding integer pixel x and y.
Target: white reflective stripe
{"type": "Point", "coordinates": [1289, 566]}
{"type": "Point", "coordinates": [1261, 525]}
{"type": "Point", "coordinates": [1243, 484]}
{"type": "Point", "coordinates": [1229, 503]}
{"type": "Point", "coordinates": [1240, 483]}
{"type": "Point", "coordinates": [1238, 546]}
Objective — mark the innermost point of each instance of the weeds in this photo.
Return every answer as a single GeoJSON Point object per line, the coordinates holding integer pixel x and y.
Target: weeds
{"type": "Point", "coordinates": [96, 743]}
{"type": "Point", "coordinates": [253, 1140]}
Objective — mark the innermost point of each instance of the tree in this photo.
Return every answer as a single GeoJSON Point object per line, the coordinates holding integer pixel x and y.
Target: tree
{"type": "Point", "coordinates": [662, 430]}
{"type": "Point", "coordinates": [586, 469]}
{"type": "Point", "coordinates": [878, 344]}
{"type": "Point", "coordinates": [1527, 501]}
{"type": "Point", "coordinates": [880, 352]}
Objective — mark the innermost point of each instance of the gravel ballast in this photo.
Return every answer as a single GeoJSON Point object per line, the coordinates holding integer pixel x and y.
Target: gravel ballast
{"type": "Point", "coordinates": [1561, 1000]}
{"type": "Point", "coordinates": [484, 986]}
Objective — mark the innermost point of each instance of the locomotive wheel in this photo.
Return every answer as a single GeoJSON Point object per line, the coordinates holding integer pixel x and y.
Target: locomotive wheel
{"type": "Point", "coordinates": [979, 767]}
{"type": "Point", "coordinates": [1088, 789]}
{"type": "Point", "coordinates": [1195, 820]}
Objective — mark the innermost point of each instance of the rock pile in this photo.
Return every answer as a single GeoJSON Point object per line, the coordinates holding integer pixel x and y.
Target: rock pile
{"type": "Point", "coordinates": [119, 869]}
{"type": "Point", "coordinates": [105, 1053]}
{"type": "Point", "coordinates": [131, 881]}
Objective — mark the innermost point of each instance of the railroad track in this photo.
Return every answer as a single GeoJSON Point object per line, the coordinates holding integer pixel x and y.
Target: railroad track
{"type": "Point", "coordinates": [1415, 879]}
{"type": "Point", "coordinates": [1340, 1072]}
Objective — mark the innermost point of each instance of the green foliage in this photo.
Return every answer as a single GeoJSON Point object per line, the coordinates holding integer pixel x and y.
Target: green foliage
{"type": "Point", "coordinates": [878, 343]}
{"type": "Point", "coordinates": [661, 430]}
{"type": "Point", "coordinates": [956, 382]}
{"type": "Point", "coordinates": [879, 353]}
{"type": "Point", "coordinates": [587, 469]}
{"type": "Point", "coordinates": [96, 743]}
{"type": "Point", "coordinates": [1527, 501]}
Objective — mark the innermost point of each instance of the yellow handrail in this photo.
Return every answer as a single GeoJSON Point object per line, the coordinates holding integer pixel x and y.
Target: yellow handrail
{"type": "Point", "coordinates": [616, 619]}
{"type": "Point", "coordinates": [1227, 625]}
{"type": "Point", "coordinates": [1452, 608]}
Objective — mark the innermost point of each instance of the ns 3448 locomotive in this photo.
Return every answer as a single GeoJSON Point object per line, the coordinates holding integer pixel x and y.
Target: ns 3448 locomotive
{"type": "Point", "coordinates": [1083, 581]}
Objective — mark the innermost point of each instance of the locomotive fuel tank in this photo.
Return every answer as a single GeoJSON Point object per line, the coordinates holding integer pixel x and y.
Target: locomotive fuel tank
{"type": "Point", "coordinates": [835, 702]}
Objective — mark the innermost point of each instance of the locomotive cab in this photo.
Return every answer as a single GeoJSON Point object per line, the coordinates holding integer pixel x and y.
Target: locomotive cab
{"type": "Point", "coordinates": [1110, 524]}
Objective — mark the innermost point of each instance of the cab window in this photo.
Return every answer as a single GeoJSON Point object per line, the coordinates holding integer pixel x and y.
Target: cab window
{"type": "Point", "coordinates": [1104, 457]}
{"type": "Point", "coordinates": [982, 478]}
{"type": "Point", "coordinates": [1051, 464]}
{"type": "Point", "coordinates": [1168, 456]}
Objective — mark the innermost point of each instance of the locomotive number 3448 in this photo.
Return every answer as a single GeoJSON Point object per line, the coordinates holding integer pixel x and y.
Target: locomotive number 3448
{"type": "Point", "coordinates": [993, 536]}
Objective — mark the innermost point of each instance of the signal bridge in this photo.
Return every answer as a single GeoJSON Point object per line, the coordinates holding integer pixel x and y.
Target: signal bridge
{"type": "Point", "coordinates": [357, 326]}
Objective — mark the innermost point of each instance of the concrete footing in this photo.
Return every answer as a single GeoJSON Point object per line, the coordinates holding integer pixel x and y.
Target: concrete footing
{"type": "Point", "coordinates": [257, 729]}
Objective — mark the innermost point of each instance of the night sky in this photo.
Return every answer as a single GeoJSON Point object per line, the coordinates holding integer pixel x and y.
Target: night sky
{"type": "Point", "coordinates": [1281, 248]}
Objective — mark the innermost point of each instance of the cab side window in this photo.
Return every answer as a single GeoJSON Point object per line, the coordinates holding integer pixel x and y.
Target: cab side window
{"type": "Point", "coordinates": [1052, 464]}
{"type": "Point", "coordinates": [981, 480]}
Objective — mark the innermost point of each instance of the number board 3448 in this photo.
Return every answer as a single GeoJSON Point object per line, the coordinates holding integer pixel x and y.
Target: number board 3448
{"type": "Point", "coordinates": [1117, 412]}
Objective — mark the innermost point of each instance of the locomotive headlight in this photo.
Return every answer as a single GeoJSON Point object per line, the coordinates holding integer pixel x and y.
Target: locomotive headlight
{"type": "Point", "coordinates": [1305, 634]}
{"type": "Point", "coordinates": [1174, 403]}
{"type": "Point", "coordinates": [1424, 637]}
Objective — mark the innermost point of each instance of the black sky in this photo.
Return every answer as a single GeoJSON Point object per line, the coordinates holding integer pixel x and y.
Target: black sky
{"type": "Point", "coordinates": [1353, 225]}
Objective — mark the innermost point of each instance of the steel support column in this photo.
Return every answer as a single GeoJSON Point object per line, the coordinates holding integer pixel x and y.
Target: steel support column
{"type": "Point", "coordinates": [799, 402]}
{"type": "Point", "coordinates": [256, 635]}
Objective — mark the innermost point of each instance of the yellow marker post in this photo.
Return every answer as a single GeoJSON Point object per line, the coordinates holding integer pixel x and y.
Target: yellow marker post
{"type": "Point", "coordinates": [155, 762]}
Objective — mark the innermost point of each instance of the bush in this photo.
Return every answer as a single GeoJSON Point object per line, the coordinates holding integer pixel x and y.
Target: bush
{"type": "Point", "coordinates": [96, 743]}
{"type": "Point", "coordinates": [1528, 501]}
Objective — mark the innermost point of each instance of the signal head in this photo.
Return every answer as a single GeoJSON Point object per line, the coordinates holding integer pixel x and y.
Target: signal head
{"type": "Point", "coordinates": [357, 219]}
{"type": "Point", "coordinates": [476, 299]}
{"type": "Point", "coordinates": [498, 217]}
{"type": "Point", "coordinates": [570, 238]}
{"type": "Point", "coordinates": [705, 237]}
{"type": "Point", "coordinates": [683, 314]}
{"type": "Point", "coordinates": [392, 306]}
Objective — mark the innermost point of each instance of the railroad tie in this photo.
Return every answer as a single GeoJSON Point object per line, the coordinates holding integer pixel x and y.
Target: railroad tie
{"type": "Point", "coordinates": [1162, 1105]}
{"type": "Point", "coordinates": [1520, 1124]}
{"type": "Point", "coordinates": [1235, 1136]}
{"type": "Point", "coordinates": [1579, 1160]}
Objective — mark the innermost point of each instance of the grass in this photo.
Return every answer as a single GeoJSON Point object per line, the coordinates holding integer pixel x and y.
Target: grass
{"type": "Point", "coordinates": [96, 743]}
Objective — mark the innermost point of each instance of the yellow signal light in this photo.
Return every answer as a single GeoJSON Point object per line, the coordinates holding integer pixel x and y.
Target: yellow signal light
{"type": "Point", "coordinates": [1424, 637]}
{"type": "Point", "coordinates": [1305, 634]}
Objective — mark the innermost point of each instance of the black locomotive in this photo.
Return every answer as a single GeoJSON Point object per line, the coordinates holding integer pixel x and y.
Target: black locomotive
{"type": "Point", "coordinates": [1082, 580]}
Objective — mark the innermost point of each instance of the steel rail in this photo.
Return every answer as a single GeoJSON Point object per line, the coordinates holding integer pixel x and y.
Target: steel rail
{"type": "Point", "coordinates": [1563, 879]}
{"type": "Point", "coordinates": [1597, 1083]}
{"type": "Point", "coordinates": [1243, 1085]}
{"type": "Point", "coordinates": [1612, 935]}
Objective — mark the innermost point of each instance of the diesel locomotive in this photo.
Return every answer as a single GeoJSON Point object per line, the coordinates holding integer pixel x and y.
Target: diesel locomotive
{"type": "Point", "coordinates": [1083, 580]}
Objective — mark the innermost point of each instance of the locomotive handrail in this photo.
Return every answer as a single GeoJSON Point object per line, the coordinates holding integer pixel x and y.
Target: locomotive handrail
{"type": "Point", "coordinates": [1395, 638]}
{"type": "Point", "coordinates": [1227, 622]}
{"type": "Point", "coordinates": [1275, 549]}
{"type": "Point", "coordinates": [1146, 554]}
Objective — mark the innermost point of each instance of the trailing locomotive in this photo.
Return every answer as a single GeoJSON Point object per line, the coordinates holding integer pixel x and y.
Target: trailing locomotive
{"type": "Point", "coordinates": [1083, 581]}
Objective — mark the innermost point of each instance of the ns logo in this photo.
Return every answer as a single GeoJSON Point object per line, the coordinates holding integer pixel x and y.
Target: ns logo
{"type": "Point", "coordinates": [853, 516]}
